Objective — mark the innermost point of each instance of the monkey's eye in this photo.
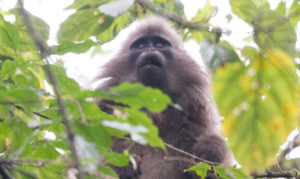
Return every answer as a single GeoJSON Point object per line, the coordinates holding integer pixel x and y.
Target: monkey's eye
{"type": "Point", "coordinates": [160, 42]}
{"type": "Point", "coordinates": [159, 45]}
{"type": "Point", "coordinates": [141, 46]}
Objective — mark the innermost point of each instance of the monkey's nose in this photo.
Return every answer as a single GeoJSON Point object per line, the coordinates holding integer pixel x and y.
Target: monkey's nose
{"type": "Point", "coordinates": [151, 49]}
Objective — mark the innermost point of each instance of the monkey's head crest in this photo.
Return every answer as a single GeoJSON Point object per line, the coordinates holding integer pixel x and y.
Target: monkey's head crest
{"type": "Point", "coordinates": [154, 26]}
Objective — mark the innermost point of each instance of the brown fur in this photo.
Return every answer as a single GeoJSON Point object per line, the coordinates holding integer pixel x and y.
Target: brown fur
{"type": "Point", "coordinates": [194, 129]}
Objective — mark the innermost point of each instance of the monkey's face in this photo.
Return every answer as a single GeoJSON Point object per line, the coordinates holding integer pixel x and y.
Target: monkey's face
{"type": "Point", "coordinates": [150, 56]}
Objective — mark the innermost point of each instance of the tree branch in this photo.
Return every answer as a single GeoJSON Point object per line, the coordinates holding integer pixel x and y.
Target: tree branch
{"type": "Point", "coordinates": [290, 146]}
{"type": "Point", "coordinates": [4, 174]}
{"type": "Point", "coordinates": [179, 20]}
{"type": "Point", "coordinates": [277, 23]}
{"type": "Point", "coordinates": [62, 107]}
{"type": "Point", "coordinates": [282, 174]}
{"type": "Point", "coordinates": [21, 161]}
{"type": "Point", "coordinates": [6, 164]}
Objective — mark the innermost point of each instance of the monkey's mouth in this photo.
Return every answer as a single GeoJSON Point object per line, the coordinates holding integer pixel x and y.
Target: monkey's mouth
{"type": "Point", "coordinates": [150, 62]}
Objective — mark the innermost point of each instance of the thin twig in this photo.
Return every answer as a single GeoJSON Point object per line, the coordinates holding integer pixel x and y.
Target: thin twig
{"type": "Point", "coordinates": [83, 117]}
{"type": "Point", "coordinates": [62, 106]}
{"type": "Point", "coordinates": [22, 109]}
{"type": "Point", "coordinates": [19, 101]}
{"type": "Point", "coordinates": [191, 155]}
{"type": "Point", "coordinates": [184, 152]}
{"type": "Point", "coordinates": [187, 160]}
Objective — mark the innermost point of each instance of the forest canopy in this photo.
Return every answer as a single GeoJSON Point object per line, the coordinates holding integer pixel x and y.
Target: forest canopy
{"type": "Point", "coordinates": [256, 89]}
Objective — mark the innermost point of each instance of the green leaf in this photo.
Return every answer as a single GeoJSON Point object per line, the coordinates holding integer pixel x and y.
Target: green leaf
{"type": "Point", "coordinates": [21, 81]}
{"type": "Point", "coordinates": [75, 27]}
{"type": "Point", "coordinates": [8, 34]}
{"type": "Point", "coordinates": [196, 35]}
{"type": "Point", "coordinates": [95, 133]}
{"type": "Point", "coordinates": [105, 170]}
{"type": "Point", "coordinates": [70, 46]}
{"type": "Point", "coordinates": [56, 126]}
{"type": "Point", "coordinates": [117, 159]}
{"type": "Point", "coordinates": [245, 9]}
{"type": "Point", "coordinates": [22, 74]}
{"type": "Point", "coordinates": [114, 28]}
{"type": "Point", "coordinates": [200, 169]}
{"type": "Point", "coordinates": [4, 111]}
{"type": "Point", "coordinates": [260, 106]}
{"type": "Point", "coordinates": [53, 171]}
{"type": "Point", "coordinates": [216, 55]}
{"type": "Point", "coordinates": [138, 96]}
{"type": "Point", "coordinates": [203, 15]}
{"type": "Point", "coordinates": [60, 144]}
{"type": "Point", "coordinates": [261, 4]}
{"type": "Point", "coordinates": [41, 27]}
{"type": "Point", "coordinates": [8, 68]}
{"type": "Point", "coordinates": [24, 98]}
{"type": "Point", "coordinates": [169, 6]}
{"type": "Point", "coordinates": [103, 27]}
{"type": "Point", "coordinates": [46, 151]}
{"type": "Point", "coordinates": [5, 131]}
{"type": "Point", "coordinates": [87, 153]}
{"type": "Point", "coordinates": [249, 52]}
{"type": "Point", "coordinates": [136, 118]}
{"type": "Point", "coordinates": [137, 124]}
{"type": "Point", "coordinates": [281, 7]}
{"type": "Point", "coordinates": [16, 134]}
{"type": "Point", "coordinates": [89, 93]}
{"type": "Point", "coordinates": [68, 86]}
{"type": "Point", "coordinates": [225, 172]}
{"type": "Point", "coordinates": [293, 10]}
{"type": "Point", "coordinates": [179, 4]}
{"type": "Point", "coordinates": [80, 4]}
{"type": "Point", "coordinates": [92, 111]}
{"type": "Point", "coordinates": [116, 8]}
{"type": "Point", "coordinates": [40, 150]}
{"type": "Point", "coordinates": [26, 42]}
{"type": "Point", "coordinates": [274, 31]}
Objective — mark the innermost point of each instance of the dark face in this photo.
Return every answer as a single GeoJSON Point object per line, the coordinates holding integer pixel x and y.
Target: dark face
{"type": "Point", "coordinates": [150, 56]}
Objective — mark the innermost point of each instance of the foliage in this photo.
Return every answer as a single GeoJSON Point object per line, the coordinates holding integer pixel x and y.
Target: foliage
{"type": "Point", "coordinates": [255, 88]}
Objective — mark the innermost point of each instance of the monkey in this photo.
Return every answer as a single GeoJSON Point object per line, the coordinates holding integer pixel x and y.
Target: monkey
{"type": "Point", "coordinates": [153, 55]}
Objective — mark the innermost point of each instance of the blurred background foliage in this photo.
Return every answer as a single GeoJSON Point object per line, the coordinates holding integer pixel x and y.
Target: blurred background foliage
{"type": "Point", "coordinates": [256, 89]}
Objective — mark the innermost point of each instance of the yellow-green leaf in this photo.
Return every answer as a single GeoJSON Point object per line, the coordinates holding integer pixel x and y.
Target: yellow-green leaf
{"type": "Point", "coordinates": [260, 106]}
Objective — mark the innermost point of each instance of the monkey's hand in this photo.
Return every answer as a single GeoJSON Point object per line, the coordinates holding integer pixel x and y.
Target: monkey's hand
{"type": "Point", "coordinates": [108, 106]}
{"type": "Point", "coordinates": [128, 172]}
